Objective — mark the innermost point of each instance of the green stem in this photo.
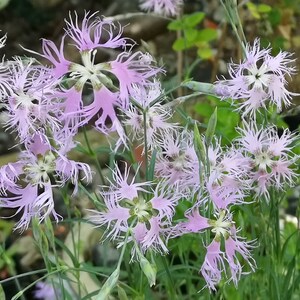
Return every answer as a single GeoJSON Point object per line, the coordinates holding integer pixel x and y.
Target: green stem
{"type": "Point", "coordinates": [145, 143]}
{"type": "Point", "coordinates": [20, 293]}
{"type": "Point", "coordinates": [93, 155]}
{"type": "Point", "coordinates": [231, 10]}
{"type": "Point", "coordinates": [170, 280]}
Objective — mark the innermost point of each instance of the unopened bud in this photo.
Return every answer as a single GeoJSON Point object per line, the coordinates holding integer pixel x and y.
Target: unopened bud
{"type": "Point", "coordinates": [211, 127]}
{"type": "Point", "coordinates": [198, 144]}
{"type": "Point", "coordinates": [148, 269]}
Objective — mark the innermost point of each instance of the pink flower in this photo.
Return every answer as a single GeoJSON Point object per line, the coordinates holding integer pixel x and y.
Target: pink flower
{"type": "Point", "coordinates": [135, 207]}
{"type": "Point", "coordinates": [31, 101]}
{"type": "Point", "coordinates": [177, 162]}
{"type": "Point", "coordinates": [162, 7]}
{"type": "Point", "coordinates": [89, 34]}
{"type": "Point", "coordinates": [60, 65]}
{"type": "Point", "coordinates": [227, 182]}
{"type": "Point", "coordinates": [258, 79]}
{"type": "Point", "coordinates": [270, 157]}
{"type": "Point", "coordinates": [213, 265]}
{"type": "Point", "coordinates": [157, 116]}
{"type": "Point", "coordinates": [153, 239]}
{"type": "Point", "coordinates": [121, 188]}
{"type": "Point", "coordinates": [164, 203]}
{"type": "Point", "coordinates": [110, 97]}
{"type": "Point", "coordinates": [195, 223]}
{"type": "Point", "coordinates": [133, 68]}
{"type": "Point", "coordinates": [46, 291]}
{"type": "Point", "coordinates": [234, 246]}
{"type": "Point", "coordinates": [27, 185]}
{"type": "Point", "coordinates": [115, 217]}
{"type": "Point", "coordinates": [215, 259]}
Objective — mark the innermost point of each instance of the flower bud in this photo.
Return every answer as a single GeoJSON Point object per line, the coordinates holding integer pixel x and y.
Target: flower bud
{"type": "Point", "coordinates": [148, 269]}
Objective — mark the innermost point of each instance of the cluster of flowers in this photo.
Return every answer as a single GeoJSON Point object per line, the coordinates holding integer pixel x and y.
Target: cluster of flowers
{"type": "Point", "coordinates": [46, 107]}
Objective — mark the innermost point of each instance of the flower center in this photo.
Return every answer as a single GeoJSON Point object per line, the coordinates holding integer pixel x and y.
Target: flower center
{"type": "Point", "coordinates": [221, 225]}
{"type": "Point", "coordinates": [140, 209]}
{"type": "Point", "coordinates": [263, 160]}
{"type": "Point", "coordinates": [87, 71]}
{"type": "Point", "coordinates": [39, 171]}
{"type": "Point", "coordinates": [24, 101]}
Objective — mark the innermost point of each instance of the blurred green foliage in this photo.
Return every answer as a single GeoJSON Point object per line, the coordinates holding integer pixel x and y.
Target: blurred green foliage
{"type": "Point", "coordinates": [193, 35]}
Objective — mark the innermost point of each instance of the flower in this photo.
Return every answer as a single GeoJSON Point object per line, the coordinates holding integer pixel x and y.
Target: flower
{"type": "Point", "coordinates": [162, 7]}
{"type": "Point", "coordinates": [223, 228]}
{"type": "Point", "coordinates": [110, 82]}
{"type": "Point", "coordinates": [235, 245]}
{"type": "Point", "coordinates": [154, 116]}
{"type": "Point", "coordinates": [270, 157]}
{"type": "Point", "coordinates": [27, 185]}
{"type": "Point", "coordinates": [259, 78]}
{"type": "Point", "coordinates": [46, 291]}
{"type": "Point", "coordinates": [177, 162]}
{"type": "Point", "coordinates": [30, 101]}
{"type": "Point", "coordinates": [88, 35]}
{"type": "Point", "coordinates": [213, 265]}
{"type": "Point", "coordinates": [196, 223]}
{"type": "Point", "coordinates": [135, 207]}
{"type": "Point", "coordinates": [227, 182]}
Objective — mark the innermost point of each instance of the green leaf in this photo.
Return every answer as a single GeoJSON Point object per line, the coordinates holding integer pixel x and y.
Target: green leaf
{"type": "Point", "coordinates": [204, 109]}
{"type": "Point", "coordinates": [2, 294]}
{"type": "Point", "coordinates": [264, 8]}
{"type": "Point", "coordinates": [253, 10]}
{"type": "Point", "coordinates": [191, 34]}
{"type": "Point", "coordinates": [187, 21]}
{"type": "Point", "coordinates": [205, 52]}
{"type": "Point", "coordinates": [122, 294]}
{"type": "Point", "coordinates": [274, 17]}
{"type": "Point", "coordinates": [207, 35]}
{"type": "Point", "coordinates": [108, 286]}
{"type": "Point", "coordinates": [192, 20]}
{"type": "Point", "coordinates": [182, 44]}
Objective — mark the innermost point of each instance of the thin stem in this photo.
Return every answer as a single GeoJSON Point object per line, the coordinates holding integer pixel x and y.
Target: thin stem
{"type": "Point", "coordinates": [23, 275]}
{"type": "Point", "coordinates": [170, 280]}
{"type": "Point", "coordinates": [145, 143]}
{"type": "Point", "coordinates": [20, 293]}
{"type": "Point", "coordinates": [179, 60]}
{"type": "Point", "coordinates": [75, 249]}
{"type": "Point", "coordinates": [94, 155]}
{"type": "Point", "coordinates": [50, 236]}
{"type": "Point", "coordinates": [232, 13]}
{"type": "Point", "coordinates": [125, 243]}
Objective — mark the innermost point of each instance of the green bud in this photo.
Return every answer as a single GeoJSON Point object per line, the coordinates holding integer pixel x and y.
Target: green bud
{"type": "Point", "coordinates": [148, 269]}
{"type": "Point", "coordinates": [108, 286]}
{"type": "Point", "coordinates": [198, 144]}
{"type": "Point", "coordinates": [202, 87]}
{"type": "Point", "coordinates": [211, 127]}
